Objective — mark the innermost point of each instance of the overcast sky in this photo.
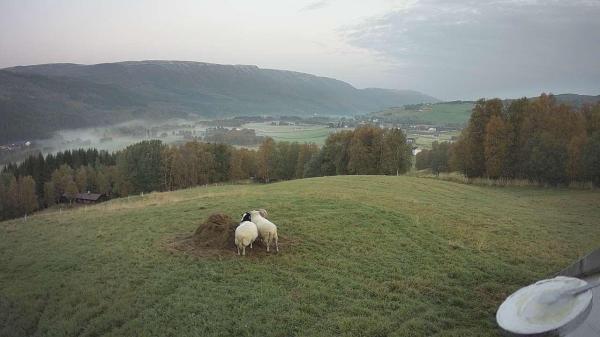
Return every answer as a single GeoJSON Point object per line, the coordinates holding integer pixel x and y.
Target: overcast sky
{"type": "Point", "coordinates": [462, 49]}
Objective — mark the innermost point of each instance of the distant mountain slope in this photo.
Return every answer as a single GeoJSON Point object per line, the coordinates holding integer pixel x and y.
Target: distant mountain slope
{"type": "Point", "coordinates": [577, 100]}
{"type": "Point", "coordinates": [60, 95]}
{"type": "Point", "coordinates": [32, 106]}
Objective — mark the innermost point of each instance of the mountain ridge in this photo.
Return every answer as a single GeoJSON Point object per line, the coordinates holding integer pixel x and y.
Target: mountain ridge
{"type": "Point", "coordinates": [167, 89]}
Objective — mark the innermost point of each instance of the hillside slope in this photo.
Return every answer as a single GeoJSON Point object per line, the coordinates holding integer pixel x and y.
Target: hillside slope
{"type": "Point", "coordinates": [34, 105]}
{"type": "Point", "coordinates": [178, 89]}
{"type": "Point", "coordinates": [369, 256]}
{"type": "Point", "coordinates": [577, 100]}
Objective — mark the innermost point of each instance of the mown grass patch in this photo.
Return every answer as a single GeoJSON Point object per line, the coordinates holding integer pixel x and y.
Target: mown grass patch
{"type": "Point", "coordinates": [293, 133]}
{"type": "Point", "coordinates": [439, 113]}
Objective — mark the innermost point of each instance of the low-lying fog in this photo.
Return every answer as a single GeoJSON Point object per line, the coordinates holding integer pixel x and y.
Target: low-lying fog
{"type": "Point", "coordinates": [118, 136]}
{"type": "Point", "coordinates": [110, 138]}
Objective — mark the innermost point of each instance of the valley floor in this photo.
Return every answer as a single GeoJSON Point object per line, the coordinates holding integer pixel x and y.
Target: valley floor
{"type": "Point", "coordinates": [369, 256]}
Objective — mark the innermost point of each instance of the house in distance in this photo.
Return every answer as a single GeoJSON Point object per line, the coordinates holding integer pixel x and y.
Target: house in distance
{"type": "Point", "coordinates": [86, 198]}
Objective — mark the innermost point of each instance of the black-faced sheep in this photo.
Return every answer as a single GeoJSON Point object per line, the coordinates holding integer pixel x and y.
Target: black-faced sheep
{"type": "Point", "coordinates": [245, 234]}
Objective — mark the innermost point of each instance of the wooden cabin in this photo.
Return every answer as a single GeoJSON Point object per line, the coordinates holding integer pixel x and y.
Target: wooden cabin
{"type": "Point", "coordinates": [86, 198]}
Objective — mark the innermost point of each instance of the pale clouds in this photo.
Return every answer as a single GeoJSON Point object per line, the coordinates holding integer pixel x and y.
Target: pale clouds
{"type": "Point", "coordinates": [488, 48]}
{"type": "Point", "coordinates": [315, 5]}
{"type": "Point", "coordinates": [449, 49]}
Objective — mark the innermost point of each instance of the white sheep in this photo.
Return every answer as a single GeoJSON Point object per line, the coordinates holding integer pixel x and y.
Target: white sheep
{"type": "Point", "coordinates": [245, 234]}
{"type": "Point", "coordinates": [263, 213]}
{"type": "Point", "coordinates": [266, 229]}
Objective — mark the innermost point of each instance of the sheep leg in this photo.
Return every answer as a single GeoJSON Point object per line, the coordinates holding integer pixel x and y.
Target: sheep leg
{"type": "Point", "coordinates": [238, 248]}
{"type": "Point", "coordinates": [244, 250]}
{"type": "Point", "coordinates": [268, 242]}
{"type": "Point", "coordinates": [276, 244]}
{"type": "Point", "coordinates": [250, 244]}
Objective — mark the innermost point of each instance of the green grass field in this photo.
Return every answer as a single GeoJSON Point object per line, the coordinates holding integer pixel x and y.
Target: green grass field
{"type": "Point", "coordinates": [293, 133]}
{"type": "Point", "coordinates": [424, 141]}
{"type": "Point", "coordinates": [365, 256]}
{"type": "Point", "coordinates": [440, 114]}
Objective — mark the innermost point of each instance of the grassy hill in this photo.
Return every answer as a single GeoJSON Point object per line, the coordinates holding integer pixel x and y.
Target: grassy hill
{"type": "Point", "coordinates": [362, 256]}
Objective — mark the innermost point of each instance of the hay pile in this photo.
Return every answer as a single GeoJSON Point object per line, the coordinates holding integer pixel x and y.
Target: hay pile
{"type": "Point", "coordinates": [217, 232]}
{"type": "Point", "coordinates": [215, 236]}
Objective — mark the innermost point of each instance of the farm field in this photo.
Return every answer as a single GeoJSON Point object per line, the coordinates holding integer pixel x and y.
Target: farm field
{"type": "Point", "coordinates": [439, 113]}
{"type": "Point", "coordinates": [361, 256]}
{"type": "Point", "coordinates": [424, 141]}
{"type": "Point", "coordinates": [293, 133]}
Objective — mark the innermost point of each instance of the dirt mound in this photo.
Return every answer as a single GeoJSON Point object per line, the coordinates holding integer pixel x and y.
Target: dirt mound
{"type": "Point", "coordinates": [216, 237]}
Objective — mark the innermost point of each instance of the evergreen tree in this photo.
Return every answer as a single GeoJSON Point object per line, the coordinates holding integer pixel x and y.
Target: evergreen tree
{"type": "Point", "coordinates": [139, 165]}
{"type": "Point", "coordinates": [221, 154]}
{"type": "Point", "coordinates": [49, 194]}
{"type": "Point", "coordinates": [27, 197]}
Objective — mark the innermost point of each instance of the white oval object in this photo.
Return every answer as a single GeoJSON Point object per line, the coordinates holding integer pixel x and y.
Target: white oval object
{"type": "Point", "coordinates": [525, 311]}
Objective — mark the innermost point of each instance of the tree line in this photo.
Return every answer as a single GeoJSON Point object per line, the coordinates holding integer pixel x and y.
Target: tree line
{"type": "Point", "coordinates": [538, 140]}
{"type": "Point", "coordinates": [148, 166]}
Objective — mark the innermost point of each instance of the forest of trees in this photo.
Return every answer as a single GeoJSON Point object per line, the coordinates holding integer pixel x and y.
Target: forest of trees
{"type": "Point", "coordinates": [366, 150]}
{"type": "Point", "coordinates": [537, 140]}
{"type": "Point", "coordinates": [148, 166]}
